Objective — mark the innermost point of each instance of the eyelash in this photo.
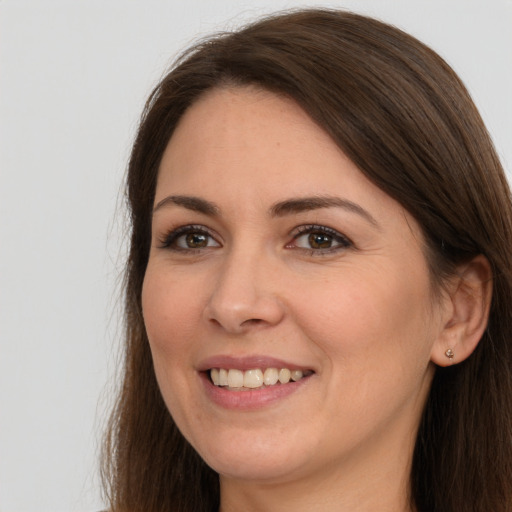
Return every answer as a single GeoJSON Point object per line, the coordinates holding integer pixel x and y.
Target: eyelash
{"type": "Point", "coordinates": [342, 241]}
{"type": "Point", "coordinates": [170, 240]}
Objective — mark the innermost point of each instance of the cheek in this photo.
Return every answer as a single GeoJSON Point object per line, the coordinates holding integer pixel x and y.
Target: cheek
{"type": "Point", "coordinates": [370, 317]}
{"type": "Point", "coordinates": [171, 314]}
{"type": "Point", "coordinates": [373, 336]}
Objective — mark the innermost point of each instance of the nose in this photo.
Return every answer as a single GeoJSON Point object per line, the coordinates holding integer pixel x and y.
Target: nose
{"type": "Point", "coordinates": [245, 295]}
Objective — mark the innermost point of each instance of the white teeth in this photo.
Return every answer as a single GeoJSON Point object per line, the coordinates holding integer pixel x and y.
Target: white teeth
{"type": "Point", "coordinates": [214, 374]}
{"type": "Point", "coordinates": [284, 375]}
{"type": "Point", "coordinates": [223, 377]}
{"type": "Point", "coordinates": [255, 378]}
{"type": "Point", "coordinates": [270, 376]}
{"type": "Point", "coordinates": [235, 378]}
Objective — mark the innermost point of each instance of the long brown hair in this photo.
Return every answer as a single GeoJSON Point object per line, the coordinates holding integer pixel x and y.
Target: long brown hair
{"type": "Point", "coordinates": [400, 113]}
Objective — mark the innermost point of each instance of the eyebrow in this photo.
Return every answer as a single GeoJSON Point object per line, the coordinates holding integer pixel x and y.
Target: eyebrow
{"type": "Point", "coordinates": [304, 204]}
{"type": "Point", "coordinates": [280, 209]}
{"type": "Point", "coordinates": [195, 204]}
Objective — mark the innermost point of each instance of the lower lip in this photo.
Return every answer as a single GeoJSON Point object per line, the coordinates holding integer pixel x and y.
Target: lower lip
{"type": "Point", "coordinates": [251, 399]}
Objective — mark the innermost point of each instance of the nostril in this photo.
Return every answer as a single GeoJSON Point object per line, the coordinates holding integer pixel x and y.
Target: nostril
{"type": "Point", "coordinates": [252, 321]}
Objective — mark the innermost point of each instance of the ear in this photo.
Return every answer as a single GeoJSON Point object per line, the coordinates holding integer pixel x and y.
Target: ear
{"type": "Point", "coordinates": [467, 313]}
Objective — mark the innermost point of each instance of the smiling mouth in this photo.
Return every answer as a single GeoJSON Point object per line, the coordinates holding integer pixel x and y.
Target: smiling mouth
{"type": "Point", "coordinates": [239, 380]}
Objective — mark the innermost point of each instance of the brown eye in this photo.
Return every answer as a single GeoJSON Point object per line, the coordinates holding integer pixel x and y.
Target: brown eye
{"type": "Point", "coordinates": [196, 240]}
{"type": "Point", "coordinates": [319, 240]}
{"type": "Point", "coordinates": [189, 238]}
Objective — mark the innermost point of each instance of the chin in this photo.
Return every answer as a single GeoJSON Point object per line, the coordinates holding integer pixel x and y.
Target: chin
{"type": "Point", "coordinates": [252, 469]}
{"type": "Point", "coordinates": [258, 458]}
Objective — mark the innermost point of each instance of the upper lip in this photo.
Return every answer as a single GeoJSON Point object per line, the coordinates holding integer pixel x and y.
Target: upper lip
{"type": "Point", "coordinates": [248, 363]}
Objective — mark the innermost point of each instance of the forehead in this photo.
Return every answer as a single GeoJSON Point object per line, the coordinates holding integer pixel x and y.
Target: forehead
{"type": "Point", "coordinates": [246, 149]}
{"type": "Point", "coordinates": [258, 140]}
{"type": "Point", "coordinates": [245, 120]}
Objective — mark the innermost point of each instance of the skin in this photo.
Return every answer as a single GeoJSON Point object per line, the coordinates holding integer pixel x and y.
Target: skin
{"type": "Point", "coordinates": [360, 314]}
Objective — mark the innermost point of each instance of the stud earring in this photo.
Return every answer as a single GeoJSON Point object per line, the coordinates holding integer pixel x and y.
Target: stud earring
{"type": "Point", "coordinates": [449, 353]}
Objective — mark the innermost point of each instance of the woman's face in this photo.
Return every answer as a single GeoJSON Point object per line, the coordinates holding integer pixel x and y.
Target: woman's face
{"type": "Point", "coordinates": [271, 251]}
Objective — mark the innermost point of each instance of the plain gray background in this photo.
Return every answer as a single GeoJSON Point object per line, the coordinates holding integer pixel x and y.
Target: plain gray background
{"type": "Point", "coordinates": [73, 78]}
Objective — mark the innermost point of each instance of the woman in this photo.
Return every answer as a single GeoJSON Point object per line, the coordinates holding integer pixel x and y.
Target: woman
{"type": "Point", "coordinates": [318, 287]}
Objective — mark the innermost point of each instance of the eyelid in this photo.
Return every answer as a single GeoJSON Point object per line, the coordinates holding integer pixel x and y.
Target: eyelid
{"type": "Point", "coordinates": [343, 242]}
{"type": "Point", "coordinates": [166, 241]}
